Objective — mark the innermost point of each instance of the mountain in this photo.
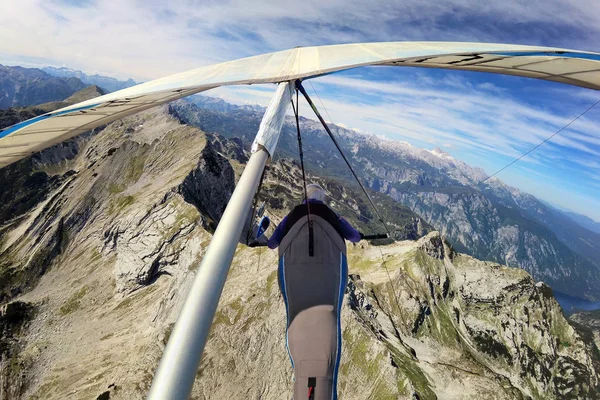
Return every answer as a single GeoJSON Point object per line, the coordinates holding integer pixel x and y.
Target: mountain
{"type": "Point", "coordinates": [100, 248]}
{"type": "Point", "coordinates": [490, 221]}
{"type": "Point", "coordinates": [584, 221]}
{"type": "Point", "coordinates": [578, 238]}
{"type": "Point", "coordinates": [107, 83]}
{"type": "Point", "coordinates": [30, 86]}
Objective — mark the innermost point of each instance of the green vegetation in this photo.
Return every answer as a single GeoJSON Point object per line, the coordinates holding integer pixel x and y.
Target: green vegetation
{"type": "Point", "coordinates": [233, 313]}
{"type": "Point", "coordinates": [409, 368]}
{"type": "Point", "coordinates": [271, 281]}
{"type": "Point", "coordinates": [139, 294]}
{"type": "Point", "coordinates": [168, 332]}
{"type": "Point", "coordinates": [74, 302]}
{"type": "Point", "coordinates": [487, 344]}
{"type": "Point", "coordinates": [358, 347]}
{"type": "Point", "coordinates": [186, 214]}
{"type": "Point", "coordinates": [258, 313]}
{"type": "Point", "coordinates": [114, 188]}
{"type": "Point", "coordinates": [45, 391]}
{"type": "Point", "coordinates": [238, 308]}
{"type": "Point", "coordinates": [95, 255]}
{"type": "Point", "coordinates": [440, 326]}
{"type": "Point", "coordinates": [119, 203]}
{"type": "Point", "coordinates": [358, 262]}
{"type": "Point", "coordinates": [135, 168]}
{"type": "Point", "coordinates": [220, 319]}
{"type": "Point", "coordinates": [561, 330]}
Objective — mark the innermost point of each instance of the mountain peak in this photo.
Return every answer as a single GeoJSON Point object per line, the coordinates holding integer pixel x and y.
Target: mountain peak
{"type": "Point", "coordinates": [85, 94]}
{"type": "Point", "coordinates": [441, 153]}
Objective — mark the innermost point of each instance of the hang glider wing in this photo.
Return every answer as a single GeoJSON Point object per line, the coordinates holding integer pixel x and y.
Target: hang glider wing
{"type": "Point", "coordinates": [557, 65]}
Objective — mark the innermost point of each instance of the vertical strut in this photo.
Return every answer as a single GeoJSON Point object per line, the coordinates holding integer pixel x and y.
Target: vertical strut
{"type": "Point", "coordinates": [178, 367]}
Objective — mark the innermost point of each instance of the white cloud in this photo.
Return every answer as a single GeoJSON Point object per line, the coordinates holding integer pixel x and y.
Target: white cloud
{"type": "Point", "coordinates": [148, 39]}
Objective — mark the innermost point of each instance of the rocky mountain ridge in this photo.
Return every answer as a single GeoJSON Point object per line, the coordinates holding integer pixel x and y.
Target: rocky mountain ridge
{"type": "Point", "coordinates": [128, 216]}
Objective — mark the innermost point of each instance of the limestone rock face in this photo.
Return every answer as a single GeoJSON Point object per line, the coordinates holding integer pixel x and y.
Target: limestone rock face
{"type": "Point", "coordinates": [472, 328]}
{"type": "Point", "coordinates": [110, 234]}
{"type": "Point", "coordinates": [209, 186]}
{"type": "Point", "coordinates": [107, 252]}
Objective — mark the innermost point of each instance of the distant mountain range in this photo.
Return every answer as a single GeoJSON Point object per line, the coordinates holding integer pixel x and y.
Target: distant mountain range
{"type": "Point", "coordinates": [490, 221]}
{"type": "Point", "coordinates": [220, 105]}
{"type": "Point", "coordinates": [30, 86]}
{"type": "Point", "coordinates": [22, 87]}
{"type": "Point", "coordinates": [107, 83]}
{"type": "Point", "coordinates": [14, 115]}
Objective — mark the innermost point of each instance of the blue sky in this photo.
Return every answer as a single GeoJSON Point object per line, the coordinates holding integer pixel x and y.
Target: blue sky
{"type": "Point", "coordinates": [486, 120]}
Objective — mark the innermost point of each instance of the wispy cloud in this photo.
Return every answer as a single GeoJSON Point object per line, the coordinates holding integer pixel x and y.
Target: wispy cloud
{"type": "Point", "coordinates": [148, 39]}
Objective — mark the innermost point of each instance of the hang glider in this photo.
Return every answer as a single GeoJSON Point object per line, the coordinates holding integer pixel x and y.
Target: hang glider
{"type": "Point", "coordinates": [178, 367]}
{"type": "Point", "coordinates": [552, 64]}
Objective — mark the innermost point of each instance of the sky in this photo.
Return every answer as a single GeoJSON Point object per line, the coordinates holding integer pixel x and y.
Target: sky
{"type": "Point", "coordinates": [483, 119]}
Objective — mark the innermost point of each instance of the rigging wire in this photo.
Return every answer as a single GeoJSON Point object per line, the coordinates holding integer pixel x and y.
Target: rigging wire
{"type": "Point", "coordinates": [320, 101]}
{"type": "Point", "coordinates": [360, 216]}
{"type": "Point", "coordinates": [357, 213]}
{"type": "Point", "coordinates": [335, 142]}
{"type": "Point", "coordinates": [301, 153]}
{"type": "Point", "coordinates": [258, 262]}
{"type": "Point", "coordinates": [383, 261]}
{"type": "Point", "coordinates": [296, 109]}
{"type": "Point", "coordinates": [541, 143]}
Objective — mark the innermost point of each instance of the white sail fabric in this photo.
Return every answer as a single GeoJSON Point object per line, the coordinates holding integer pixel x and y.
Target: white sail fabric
{"type": "Point", "coordinates": [558, 65]}
{"type": "Point", "coordinates": [270, 126]}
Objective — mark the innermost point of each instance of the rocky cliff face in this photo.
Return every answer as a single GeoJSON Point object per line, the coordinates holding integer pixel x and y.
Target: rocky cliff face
{"type": "Point", "coordinates": [105, 254]}
{"type": "Point", "coordinates": [492, 232]}
{"type": "Point", "coordinates": [113, 224]}
{"type": "Point", "coordinates": [588, 322]}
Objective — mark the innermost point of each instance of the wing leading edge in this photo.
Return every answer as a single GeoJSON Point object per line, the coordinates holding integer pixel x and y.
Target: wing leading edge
{"type": "Point", "coordinates": [552, 64]}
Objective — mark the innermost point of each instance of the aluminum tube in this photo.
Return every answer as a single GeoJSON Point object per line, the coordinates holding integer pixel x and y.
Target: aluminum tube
{"type": "Point", "coordinates": [178, 367]}
{"type": "Point", "coordinates": [177, 370]}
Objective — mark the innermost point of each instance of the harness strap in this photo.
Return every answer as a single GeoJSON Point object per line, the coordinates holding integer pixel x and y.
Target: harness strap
{"type": "Point", "coordinates": [312, 384]}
